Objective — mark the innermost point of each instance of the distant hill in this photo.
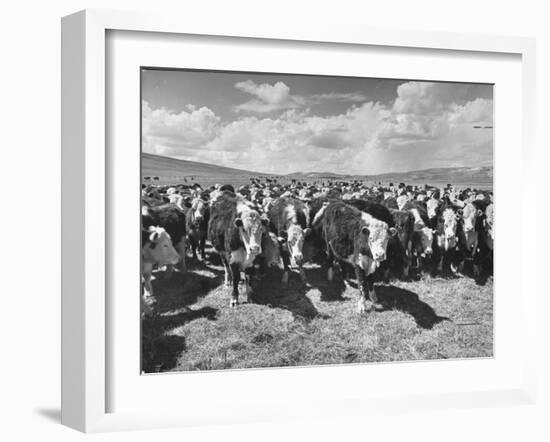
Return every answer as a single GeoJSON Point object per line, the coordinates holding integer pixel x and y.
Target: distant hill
{"type": "Point", "coordinates": [171, 170]}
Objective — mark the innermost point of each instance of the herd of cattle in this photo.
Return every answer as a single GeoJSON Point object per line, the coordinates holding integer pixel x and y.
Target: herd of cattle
{"type": "Point", "coordinates": [373, 232]}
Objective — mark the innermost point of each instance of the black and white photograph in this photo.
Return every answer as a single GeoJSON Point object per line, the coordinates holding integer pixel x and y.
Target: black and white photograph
{"type": "Point", "coordinates": [304, 220]}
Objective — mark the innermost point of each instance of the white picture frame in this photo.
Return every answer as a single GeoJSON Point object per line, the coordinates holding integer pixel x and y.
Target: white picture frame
{"type": "Point", "coordinates": [85, 261]}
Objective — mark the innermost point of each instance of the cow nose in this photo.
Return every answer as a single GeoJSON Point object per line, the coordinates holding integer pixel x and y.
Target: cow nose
{"type": "Point", "coordinates": [298, 258]}
{"type": "Point", "coordinates": [255, 249]}
{"type": "Point", "coordinates": [429, 251]}
{"type": "Point", "coordinates": [380, 256]}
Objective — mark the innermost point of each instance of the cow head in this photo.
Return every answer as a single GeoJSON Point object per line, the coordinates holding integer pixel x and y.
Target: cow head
{"type": "Point", "coordinates": [378, 237]}
{"type": "Point", "coordinates": [251, 229]}
{"type": "Point", "coordinates": [295, 242]}
{"type": "Point", "coordinates": [426, 237]}
{"type": "Point", "coordinates": [198, 211]}
{"type": "Point", "coordinates": [158, 247]}
{"type": "Point", "coordinates": [469, 218]}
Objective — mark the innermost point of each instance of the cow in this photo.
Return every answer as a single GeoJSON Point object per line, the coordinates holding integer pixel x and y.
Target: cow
{"type": "Point", "coordinates": [197, 226]}
{"type": "Point", "coordinates": [357, 238]}
{"type": "Point", "coordinates": [236, 232]}
{"type": "Point", "coordinates": [289, 221]}
{"type": "Point", "coordinates": [423, 234]}
{"type": "Point", "coordinates": [446, 238]}
{"type": "Point", "coordinates": [156, 249]}
{"type": "Point", "coordinates": [469, 228]}
{"type": "Point", "coordinates": [400, 245]}
{"type": "Point", "coordinates": [172, 219]}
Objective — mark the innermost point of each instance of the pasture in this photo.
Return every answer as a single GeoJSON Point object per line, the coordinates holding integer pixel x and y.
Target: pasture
{"type": "Point", "coordinates": [195, 329]}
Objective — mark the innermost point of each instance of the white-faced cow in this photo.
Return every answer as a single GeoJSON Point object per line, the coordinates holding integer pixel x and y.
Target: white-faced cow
{"type": "Point", "coordinates": [446, 238]}
{"type": "Point", "coordinates": [171, 218]}
{"type": "Point", "coordinates": [289, 221]}
{"type": "Point", "coordinates": [236, 232]}
{"type": "Point", "coordinates": [197, 226]}
{"type": "Point", "coordinates": [423, 234]}
{"type": "Point", "coordinates": [357, 238]}
{"type": "Point", "coordinates": [156, 249]}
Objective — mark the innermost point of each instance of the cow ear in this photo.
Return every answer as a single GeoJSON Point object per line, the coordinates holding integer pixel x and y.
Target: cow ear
{"type": "Point", "coordinates": [479, 212]}
{"type": "Point", "coordinates": [365, 230]}
{"type": "Point", "coordinates": [393, 231]}
{"type": "Point", "coordinates": [307, 231]}
{"type": "Point", "coordinates": [238, 222]}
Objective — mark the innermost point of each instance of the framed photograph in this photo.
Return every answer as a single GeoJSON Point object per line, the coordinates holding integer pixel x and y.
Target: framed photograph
{"type": "Point", "coordinates": [280, 223]}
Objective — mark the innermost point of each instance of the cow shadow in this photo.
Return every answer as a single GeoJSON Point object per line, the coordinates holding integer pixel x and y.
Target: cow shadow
{"type": "Point", "coordinates": [269, 291]}
{"type": "Point", "coordinates": [396, 298]}
{"type": "Point", "coordinates": [180, 290]}
{"type": "Point", "coordinates": [160, 351]}
{"type": "Point", "coordinates": [331, 291]}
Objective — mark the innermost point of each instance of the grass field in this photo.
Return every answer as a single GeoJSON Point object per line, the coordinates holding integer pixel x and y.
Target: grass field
{"type": "Point", "coordinates": [432, 318]}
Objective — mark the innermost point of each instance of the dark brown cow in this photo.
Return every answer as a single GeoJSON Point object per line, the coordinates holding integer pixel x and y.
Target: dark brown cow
{"type": "Point", "coordinates": [357, 238]}
{"type": "Point", "coordinates": [236, 232]}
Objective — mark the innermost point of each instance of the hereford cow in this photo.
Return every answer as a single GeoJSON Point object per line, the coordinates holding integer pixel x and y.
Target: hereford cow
{"type": "Point", "coordinates": [357, 238]}
{"type": "Point", "coordinates": [423, 234]}
{"type": "Point", "coordinates": [156, 249]}
{"type": "Point", "coordinates": [289, 221]}
{"type": "Point", "coordinates": [197, 226]}
{"type": "Point", "coordinates": [171, 218]}
{"type": "Point", "coordinates": [446, 238]}
{"type": "Point", "coordinates": [236, 232]}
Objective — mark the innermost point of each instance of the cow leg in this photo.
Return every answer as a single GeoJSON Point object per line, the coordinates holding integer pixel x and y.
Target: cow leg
{"type": "Point", "coordinates": [226, 271]}
{"type": "Point", "coordinates": [247, 279]}
{"type": "Point", "coordinates": [302, 274]}
{"type": "Point", "coordinates": [286, 264]}
{"type": "Point", "coordinates": [181, 247]}
{"type": "Point", "coordinates": [372, 294]}
{"type": "Point", "coordinates": [363, 306]}
{"type": "Point", "coordinates": [236, 275]}
{"type": "Point", "coordinates": [202, 245]}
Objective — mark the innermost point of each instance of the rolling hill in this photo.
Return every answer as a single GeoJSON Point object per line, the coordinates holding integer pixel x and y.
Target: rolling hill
{"type": "Point", "coordinates": [171, 170]}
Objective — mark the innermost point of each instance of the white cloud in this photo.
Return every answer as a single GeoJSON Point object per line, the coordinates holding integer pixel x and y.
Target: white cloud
{"type": "Point", "coordinates": [428, 125]}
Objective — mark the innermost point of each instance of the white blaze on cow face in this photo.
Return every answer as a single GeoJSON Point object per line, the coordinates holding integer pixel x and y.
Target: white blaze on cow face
{"type": "Point", "coordinates": [431, 206]}
{"type": "Point", "coordinates": [469, 215]}
{"type": "Point", "coordinates": [401, 201]}
{"type": "Point", "coordinates": [295, 235]}
{"type": "Point", "coordinates": [251, 229]}
{"type": "Point", "coordinates": [159, 249]}
{"type": "Point", "coordinates": [425, 233]}
{"type": "Point", "coordinates": [378, 236]}
{"type": "Point", "coordinates": [449, 229]}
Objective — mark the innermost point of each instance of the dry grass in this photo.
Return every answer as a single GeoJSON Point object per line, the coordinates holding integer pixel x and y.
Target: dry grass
{"type": "Point", "coordinates": [432, 318]}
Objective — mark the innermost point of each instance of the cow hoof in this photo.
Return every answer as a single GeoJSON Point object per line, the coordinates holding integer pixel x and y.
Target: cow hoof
{"type": "Point", "coordinates": [364, 306]}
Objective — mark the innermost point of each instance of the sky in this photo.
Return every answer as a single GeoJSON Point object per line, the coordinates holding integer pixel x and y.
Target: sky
{"type": "Point", "coordinates": [284, 123]}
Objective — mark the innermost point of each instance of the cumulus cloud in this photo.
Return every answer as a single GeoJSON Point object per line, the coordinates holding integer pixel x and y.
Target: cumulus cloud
{"type": "Point", "coordinates": [165, 131]}
{"type": "Point", "coordinates": [427, 125]}
{"type": "Point", "coordinates": [269, 97]}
